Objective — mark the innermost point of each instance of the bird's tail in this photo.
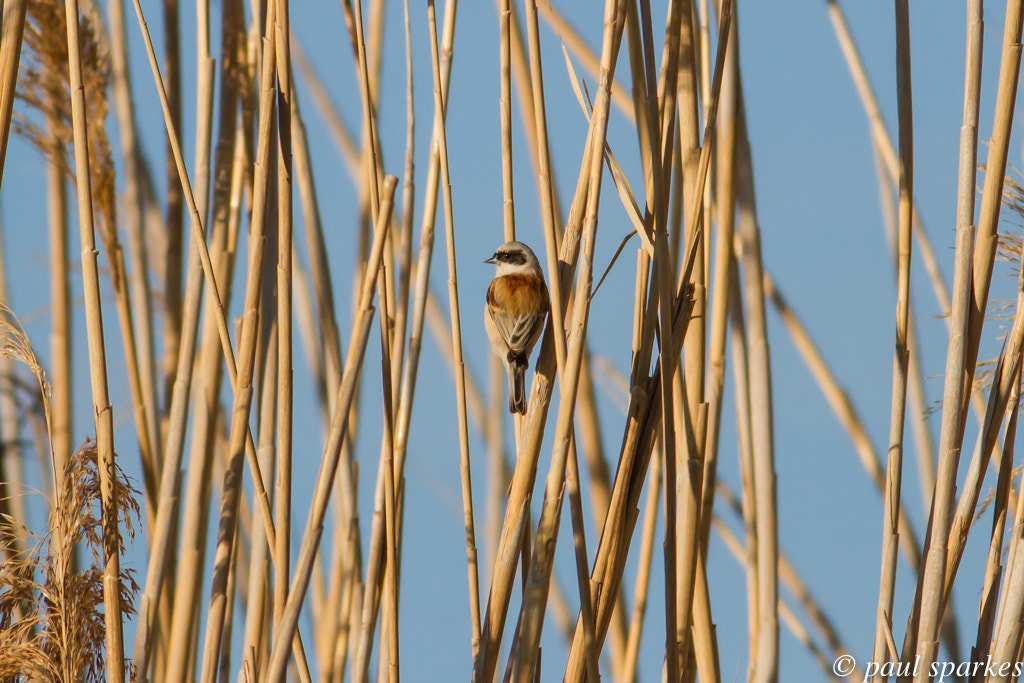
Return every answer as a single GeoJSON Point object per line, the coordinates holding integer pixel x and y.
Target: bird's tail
{"type": "Point", "coordinates": [517, 388]}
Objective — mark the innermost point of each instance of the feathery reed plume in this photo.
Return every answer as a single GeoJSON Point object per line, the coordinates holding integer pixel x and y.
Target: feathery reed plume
{"type": "Point", "coordinates": [44, 87]}
{"type": "Point", "coordinates": [51, 618]}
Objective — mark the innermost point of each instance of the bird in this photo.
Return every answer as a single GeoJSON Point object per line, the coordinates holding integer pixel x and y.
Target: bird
{"type": "Point", "coordinates": [517, 305]}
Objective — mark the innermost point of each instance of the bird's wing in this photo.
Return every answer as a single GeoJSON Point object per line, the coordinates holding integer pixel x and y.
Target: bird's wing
{"type": "Point", "coordinates": [518, 331]}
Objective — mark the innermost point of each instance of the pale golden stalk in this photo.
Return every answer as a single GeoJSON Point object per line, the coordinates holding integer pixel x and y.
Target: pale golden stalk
{"type": "Point", "coordinates": [388, 653]}
{"type": "Point", "coordinates": [536, 587]}
{"type": "Point", "coordinates": [12, 500]}
{"type": "Point", "coordinates": [242, 383]}
{"type": "Point", "coordinates": [545, 183]}
{"type": "Point", "coordinates": [371, 174]}
{"type": "Point", "coordinates": [644, 412]}
{"type": "Point", "coordinates": [516, 516]}
{"type": "Point", "coordinates": [725, 222]}
{"type": "Point", "coordinates": [918, 413]}
{"type": "Point", "coordinates": [505, 107]}
{"type": "Point", "coordinates": [1006, 635]}
{"type": "Point", "coordinates": [741, 389]}
{"type": "Point", "coordinates": [283, 487]}
{"type": "Point", "coordinates": [224, 231]}
{"type": "Point", "coordinates": [178, 405]}
{"type": "Point", "coordinates": [994, 568]}
{"type": "Point", "coordinates": [11, 32]}
{"type": "Point", "coordinates": [1004, 385]}
{"type": "Point", "coordinates": [516, 522]}
{"type": "Point", "coordinates": [481, 414]}
{"type": "Point", "coordinates": [529, 80]}
{"type": "Point", "coordinates": [420, 289]}
{"type": "Point", "coordinates": [894, 472]}
{"type": "Point", "coordinates": [332, 448]}
{"type": "Point", "coordinates": [319, 267]}
{"type": "Point", "coordinates": [60, 297]}
{"type": "Point", "coordinates": [405, 231]}
{"type": "Point", "coordinates": [453, 303]}
{"type": "Point", "coordinates": [367, 603]}
{"type": "Point", "coordinates": [963, 353]}
{"type": "Point", "coordinates": [658, 108]}
{"type": "Point", "coordinates": [256, 631]}
{"type": "Point", "coordinates": [628, 670]}
{"type": "Point", "coordinates": [133, 212]}
{"type": "Point", "coordinates": [760, 387]}
{"type": "Point", "coordinates": [97, 358]}
{"type": "Point", "coordinates": [172, 224]}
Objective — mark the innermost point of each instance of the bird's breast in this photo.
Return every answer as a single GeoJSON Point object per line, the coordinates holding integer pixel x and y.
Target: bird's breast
{"type": "Point", "coordinates": [518, 295]}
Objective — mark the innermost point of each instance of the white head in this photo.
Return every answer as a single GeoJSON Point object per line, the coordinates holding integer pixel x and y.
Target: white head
{"type": "Point", "coordinates": [514, 258]}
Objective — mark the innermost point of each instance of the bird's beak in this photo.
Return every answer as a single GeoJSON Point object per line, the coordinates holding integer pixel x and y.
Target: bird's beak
{"type": "Point", "coordinates": [491, 260]}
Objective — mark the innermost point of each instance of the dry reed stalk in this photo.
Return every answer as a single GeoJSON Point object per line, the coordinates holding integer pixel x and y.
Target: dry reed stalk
{"type": "Point", "coordinates": [258, 602]}
{"type": "Point", "coordinates": [178, 408]}
{"type": "Point", "coordinates": [551, 223]}
{"type": "Point", "coordinates": [961, 361]}
{"type": "Point", "coordinates": [388, 653]}
{"type": "Point", "coordinates": [11, 33]}
{"type": "Point", "coordinates": [643, 416]}
{"type": "Point", "coordinates": [530, 87]}
{"type": "Point", "coordinates": [725, 220]}
{"type": "Point", "coordinates": [405, 231]}
{"type": "Point", "coordinates": [207, 267]}
{"type": "Point", "coordinates": [682, 65]}
{"type": "Point", "coordinates": [994, 568]}
{"type": "Point", "coordinates": [332, 447]}
{"type": "Point", "coordinates": [420, 289]}
{"type": "Point", "coordinates": [628, 668]}
{"type": "Point", "coordinates": [1006, 635]}
{"type": "Point", "coordinates": [536, 587]}
{"type": "Point", "coordinates": [546, 188]}
{"type": "Point", "coordinates": [1004, 385]}
{"type": "Point", "coordinates": [737, 339]}
{"type": "Point", "coordinates": [319, 268]}
{"type": "Point", "coordinates": [283, 488]}
{"type": "Point", "coordinates": [97, 357]}
{"type": "Point", "coordinates": [918, 413]}
{"type": "Point", "coordinates": [13, 537]}
{"type": "Point", "coordinates": [411, 364]}
{"type": "Point", "coordinates": [60, 296]}
{"type": "Point", "coordinates": [133, 213]}
{"type": "Point", "coordinates": [228, 174]}
{"type": "Point", "coordinates": [332, 362]}
{"type": "Point", "coordinates": [516, 523]}
{"type": "Point", "coordinates": [762, 439]}
{"type": "Point", "coordinates": [242, 383]}
{"type": "Point", "coordinates": [453, 302]}
{"type": "Point", "coordinates": [654, 136]}
{"type": "Point", "coordinates": [505, 109]}
{"type": "Point", "coordinates": [894, 472]}
{"type": "Point", "coordinates": [174, 212]}
{"type": "Point", "coordinates": [373, 165]}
